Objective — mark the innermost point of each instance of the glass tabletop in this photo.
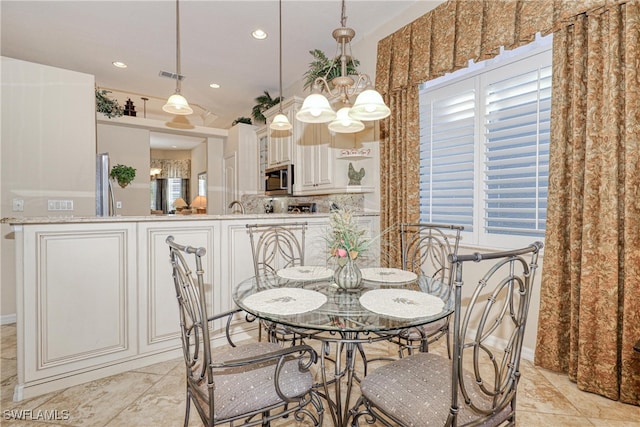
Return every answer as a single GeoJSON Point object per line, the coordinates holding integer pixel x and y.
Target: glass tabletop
{"type": "Point", "coordinates": [320, 305]}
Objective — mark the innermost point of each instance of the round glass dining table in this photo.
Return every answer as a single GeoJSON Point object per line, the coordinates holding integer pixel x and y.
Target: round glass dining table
{"type": "Point", "coordinates": [306, 300]}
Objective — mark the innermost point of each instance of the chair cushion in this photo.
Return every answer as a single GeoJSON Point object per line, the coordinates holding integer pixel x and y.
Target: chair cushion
{"type": "Point", "coordinates": [241, 390]}
{"type": "Point", "coordinates": [417, 391]}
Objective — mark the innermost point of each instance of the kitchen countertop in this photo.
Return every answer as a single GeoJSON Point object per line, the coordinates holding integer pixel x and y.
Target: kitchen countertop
{"type": "Point", "coordinates": [154, 218]}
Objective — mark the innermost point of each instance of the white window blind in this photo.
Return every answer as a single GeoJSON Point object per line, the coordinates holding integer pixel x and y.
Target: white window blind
{"type": "Point", "coordinates": [516, 160]}
{"type": "Point", "coordinates": [484, 148]}
{"type": "Point", "coordinates": [447, 158]}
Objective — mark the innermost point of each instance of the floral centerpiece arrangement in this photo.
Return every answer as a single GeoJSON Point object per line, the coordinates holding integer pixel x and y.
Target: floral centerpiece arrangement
{"type": "Point", "coordinates": [347, 241]}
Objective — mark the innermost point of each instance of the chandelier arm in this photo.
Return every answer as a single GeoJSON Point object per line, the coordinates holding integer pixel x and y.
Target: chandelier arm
{"type": "Point", "coordinates": [320, 83]}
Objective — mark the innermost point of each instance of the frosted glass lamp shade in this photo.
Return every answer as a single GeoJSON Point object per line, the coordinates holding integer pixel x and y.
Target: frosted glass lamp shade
{"type": "Point", "coordinates": [369, 106]}
{"type": "Point", "coordinates": [280, 122]}
{"type": "Point", "coordinates": [316, 109]}
{"type": "Point", "coordinates": [345, 124]}
{"type": "Point", "coordinates": [177, 104]}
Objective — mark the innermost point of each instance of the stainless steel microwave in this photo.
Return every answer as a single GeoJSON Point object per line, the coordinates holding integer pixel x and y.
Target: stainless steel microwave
{"type": "Point", "coordinates": [278, 181]}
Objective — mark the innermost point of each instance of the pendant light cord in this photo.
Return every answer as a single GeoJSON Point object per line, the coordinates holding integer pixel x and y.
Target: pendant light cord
{"type": "Point", "coordinates": [280, 29]}
{"type": "Point", "coordinates": [178, 85]}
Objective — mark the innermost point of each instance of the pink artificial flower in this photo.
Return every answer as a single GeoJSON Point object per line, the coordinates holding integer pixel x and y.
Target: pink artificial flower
{"type": "Point", "coordinates": [342, 253]}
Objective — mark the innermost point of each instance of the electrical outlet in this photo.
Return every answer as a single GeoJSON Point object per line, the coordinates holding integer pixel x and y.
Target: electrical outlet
{"type": "Point", "coordinates": [18, 205]}
{"type": "Point", "coordinates": [118, 204]}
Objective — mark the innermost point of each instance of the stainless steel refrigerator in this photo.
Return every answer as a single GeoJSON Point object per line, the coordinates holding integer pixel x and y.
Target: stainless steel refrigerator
{"type": "Point", "coordinates": [105, 204]}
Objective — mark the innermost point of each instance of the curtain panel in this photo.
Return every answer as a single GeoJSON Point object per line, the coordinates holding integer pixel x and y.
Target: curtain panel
{"type": "Point", "coordinates": [590, 311]}
{"type": "Point", "coordinates": [600, 289]}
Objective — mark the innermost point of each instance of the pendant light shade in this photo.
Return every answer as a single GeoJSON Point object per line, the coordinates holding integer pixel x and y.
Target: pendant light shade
{"type": "Point", "coordinates": [316, 109]}
{"type": "Point", "coordinates": [369, 106]}
{"type": "Point", "coordinates": [280, 121]}
{"type": "Point", "coordinates": [345, 124]}
{"type": "Point", "coordinates": [177, 104]}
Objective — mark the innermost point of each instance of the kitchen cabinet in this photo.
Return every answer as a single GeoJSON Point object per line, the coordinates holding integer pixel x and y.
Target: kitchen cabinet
{"type": "Point", "coordinates": [241, 163]}
{"type": "Point", "coordinates": [323, 161]}
{"type": "Point", "coordinates": [282, 144]}
{"type": "Point", "coordinates": [315, 167]}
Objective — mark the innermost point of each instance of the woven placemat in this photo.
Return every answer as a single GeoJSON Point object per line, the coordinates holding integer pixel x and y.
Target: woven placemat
{"type": "Point", "coordinates": [285, 301]}
{"type": "Point", "coordinates": [403, 303]}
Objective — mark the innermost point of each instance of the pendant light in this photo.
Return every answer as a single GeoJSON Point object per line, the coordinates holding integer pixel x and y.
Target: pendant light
{"type": "Point", "coordinates": [177, 104]}
{"type": "Point", "coordinates": [280, 121]}
{"type": "Point", "coordinates": [369, 104]}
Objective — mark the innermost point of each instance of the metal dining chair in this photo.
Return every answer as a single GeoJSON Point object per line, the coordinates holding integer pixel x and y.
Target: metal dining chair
{"type": "Point", "coordinates": [249, 384]}
{"type": "Point", "coordinates": [274, 247]}
{"type": "Point", "coordinates": [478, 385]}
{"type": "Point", "coordinates": [425, 250]}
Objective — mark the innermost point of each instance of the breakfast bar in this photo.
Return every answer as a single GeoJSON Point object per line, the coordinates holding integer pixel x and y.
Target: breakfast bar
{"type": "Point", "coordinates": [95, 296]}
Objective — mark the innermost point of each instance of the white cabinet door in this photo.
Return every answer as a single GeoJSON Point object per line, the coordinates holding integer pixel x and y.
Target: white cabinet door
{"type": "Point", "coordinates": [158, 307]}
{"type": "Point", "coordinates": [317, 158]}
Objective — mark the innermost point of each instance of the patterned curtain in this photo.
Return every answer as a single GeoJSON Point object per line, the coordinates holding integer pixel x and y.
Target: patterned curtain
{"type": "Point", "coordinates": [457, 31]}
{"type": "Point", "coordinates": [172, 168]}
{"type": "Point", "coordinates": [590, 297]}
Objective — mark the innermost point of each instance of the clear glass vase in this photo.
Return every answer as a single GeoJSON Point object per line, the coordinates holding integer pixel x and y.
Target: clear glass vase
{"type": "Point", "coordinates": [349, 276]}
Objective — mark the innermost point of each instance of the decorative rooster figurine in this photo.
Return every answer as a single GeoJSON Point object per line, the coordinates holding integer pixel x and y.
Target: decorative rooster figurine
{"type": "Point", "coordinates": [355, 177]}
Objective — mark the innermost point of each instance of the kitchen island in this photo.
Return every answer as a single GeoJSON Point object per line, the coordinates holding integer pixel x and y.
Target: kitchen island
{"type": "Point", "coordinates": [95, 295]}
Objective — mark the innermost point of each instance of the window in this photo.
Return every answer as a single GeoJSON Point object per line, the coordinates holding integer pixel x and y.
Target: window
{"type": "Point", "coordinates": [484, 147]}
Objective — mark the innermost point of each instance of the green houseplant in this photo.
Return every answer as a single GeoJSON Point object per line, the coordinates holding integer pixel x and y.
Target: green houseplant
{"type": "Point", "coordinates": [264, 102]}
{"type": "Point", "coordinates": [123, 174]}
{"type": "Point", "coordinates": [245, 120]}
{"type": "Point", "coordinates": [323, 66]}
{"type": "Point", "coordinates": [107, 106]}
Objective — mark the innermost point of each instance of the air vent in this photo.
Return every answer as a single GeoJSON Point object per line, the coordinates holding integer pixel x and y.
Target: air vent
{"type": "Point", "coordinates": [173, 76]}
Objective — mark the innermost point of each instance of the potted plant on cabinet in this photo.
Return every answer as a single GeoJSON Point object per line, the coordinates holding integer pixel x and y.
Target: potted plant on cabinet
{"type": "Point", "coordinates": [264, 102]}
{"type": "Point", "coordinates": [123, 174]}
{"type": "Point", "coordinates": [107, 106]}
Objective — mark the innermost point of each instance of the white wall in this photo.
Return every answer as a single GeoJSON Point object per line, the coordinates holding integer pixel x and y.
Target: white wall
{"type": "Point", "coordinates": [48, 150]}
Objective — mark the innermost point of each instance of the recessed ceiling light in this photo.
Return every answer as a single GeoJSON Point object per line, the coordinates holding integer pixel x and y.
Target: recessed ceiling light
{"type": "Point", "coordinates": [259, 34]}
{"type": "Point", "coordinates": [119, 64]}
{"type": "Point", "coordinates": [215, 85]}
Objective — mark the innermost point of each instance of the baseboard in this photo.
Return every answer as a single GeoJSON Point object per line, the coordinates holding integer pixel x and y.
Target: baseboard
{"type": "Point", "coordinates": [7, 319]}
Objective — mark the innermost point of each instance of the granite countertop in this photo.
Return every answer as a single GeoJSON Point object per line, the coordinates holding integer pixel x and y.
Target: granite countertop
{"type": "Point", "coordinates": [154, 218]}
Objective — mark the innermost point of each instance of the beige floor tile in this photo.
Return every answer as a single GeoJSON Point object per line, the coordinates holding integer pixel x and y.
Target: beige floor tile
{"type": "Point", "coordinates": [97, 402]}
{"type": "Point", "coordinates": [539, 419]}
{"type": "Point", "coordinates": [589, 404]}
{"type": "Point", "coordinates": [613, 423]}
{"type": "Point", "coordinates": [162, 368]}
{"type": "Point", "coordinates": [536, 393]}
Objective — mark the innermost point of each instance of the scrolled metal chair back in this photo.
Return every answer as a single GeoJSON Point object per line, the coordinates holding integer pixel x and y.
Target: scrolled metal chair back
{"type": "Point", "coordinates": [190, 292]}
{"type": "Point", "coordinates": [276, 246]}
{"type": "Point", "coordinates": [426, 247]}
{"type": "Point", "coordinates": [499, 303]}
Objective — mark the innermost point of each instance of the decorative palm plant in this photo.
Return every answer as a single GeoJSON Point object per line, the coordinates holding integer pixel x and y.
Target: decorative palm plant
{"type": "Point", "coordinates": [323, 66]}
{"type": "Point", "coordinates": [264, 102]}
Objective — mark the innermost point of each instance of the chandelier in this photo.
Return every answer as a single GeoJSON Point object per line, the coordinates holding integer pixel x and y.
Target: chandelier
{"type": "Point", "coordinates": [177, 104]}
{"type": "Point", "coordinates": [369, 104]}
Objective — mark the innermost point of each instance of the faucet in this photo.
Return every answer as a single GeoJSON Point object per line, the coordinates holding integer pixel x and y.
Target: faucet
{"type": "Point", "coordinates": [236, 202]}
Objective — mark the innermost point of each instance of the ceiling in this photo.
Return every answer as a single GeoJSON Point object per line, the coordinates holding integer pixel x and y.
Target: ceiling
{"type": "Point", "coordinates": [216, 45]}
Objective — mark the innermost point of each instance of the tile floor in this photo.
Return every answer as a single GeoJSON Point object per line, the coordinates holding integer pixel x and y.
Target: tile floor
{"type": "Point", "coordinates": [154, 396]}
